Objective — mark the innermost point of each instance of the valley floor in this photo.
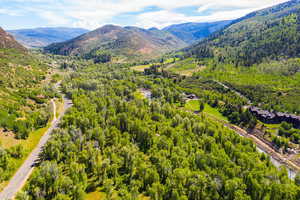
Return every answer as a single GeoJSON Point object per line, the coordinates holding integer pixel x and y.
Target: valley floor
{"type": "Point", "coordinates": [256, 135]}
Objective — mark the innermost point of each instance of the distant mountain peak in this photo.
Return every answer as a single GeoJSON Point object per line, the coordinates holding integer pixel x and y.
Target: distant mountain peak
{"type": "Point", "coordinates": [191, 32]}
{"type": "Point", "coordinates": [153, 29]}
{"type": "Point", "coordinates": [43, 36]}
{"type": "Point", "coordinates": [110, 26]}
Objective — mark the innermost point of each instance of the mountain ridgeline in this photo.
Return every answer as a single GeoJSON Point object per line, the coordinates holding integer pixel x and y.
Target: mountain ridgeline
{"type": "Point", "coordinates": [127, 42]}
{"type": "Point", "coordinates": [268, 34]}
{"type": "Point", "coordinates": [41, 37]}
{"type": "Point", "coordinates": [193, 32]}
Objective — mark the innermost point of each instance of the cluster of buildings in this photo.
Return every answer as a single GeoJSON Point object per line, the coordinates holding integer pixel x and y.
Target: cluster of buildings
{"type": "Point", "coordinates": [275, 117]}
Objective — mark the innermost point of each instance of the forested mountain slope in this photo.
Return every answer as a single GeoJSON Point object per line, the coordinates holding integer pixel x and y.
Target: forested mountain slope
{"type": "Point", "coordinates": [120, 41]}
{"type": "Point", "coordinates": [272, 33]}
{"type": "Point", "coordinates": [41, 37]}
{"type": "Point", "coordinates": [192, 32]}
{"type": "Point", "coordinates": [21, 74]}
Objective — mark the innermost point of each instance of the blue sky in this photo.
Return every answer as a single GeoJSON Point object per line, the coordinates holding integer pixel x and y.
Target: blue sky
{"type": "Point", "coordinates": [91, 14]}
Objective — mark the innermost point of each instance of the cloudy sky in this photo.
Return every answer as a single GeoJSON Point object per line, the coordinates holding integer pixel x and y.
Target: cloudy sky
{"type": "Point", "coordinates": [91, 14]}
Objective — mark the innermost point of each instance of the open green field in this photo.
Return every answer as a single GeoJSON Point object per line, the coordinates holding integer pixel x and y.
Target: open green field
{"type": "Point", "coordinates": [141, 68]}
{"type": "Point", "coordinates": [193, 105]}
{"type": "Point", "coordinates": [185, 67]}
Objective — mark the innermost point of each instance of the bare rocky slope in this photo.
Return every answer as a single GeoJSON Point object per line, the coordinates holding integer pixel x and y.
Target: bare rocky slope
{"type": "Point", "coordinates": [7, 41]}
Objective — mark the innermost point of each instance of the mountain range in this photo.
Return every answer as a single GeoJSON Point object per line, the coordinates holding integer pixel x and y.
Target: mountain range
{"type": "Point", "coordinates": [41, 37]}
{"type": "Point", "coordinates": [266, 34]}
{"type": "Point", "coordinates": [193, 32]}
{"type": "Point", "coordinates": [132, 42]}
{"type": "Point", "coordinates": [121, 41]}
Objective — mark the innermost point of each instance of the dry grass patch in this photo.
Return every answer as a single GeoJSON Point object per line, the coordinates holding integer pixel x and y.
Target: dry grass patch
{"type": "Point", "coordinates": [7, 139]}
{"type": "Point", "coordinates": [140, 68]}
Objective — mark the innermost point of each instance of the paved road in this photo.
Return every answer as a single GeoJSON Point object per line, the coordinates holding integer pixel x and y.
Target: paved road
{"type": "Point", "coordinates": [19, 179]}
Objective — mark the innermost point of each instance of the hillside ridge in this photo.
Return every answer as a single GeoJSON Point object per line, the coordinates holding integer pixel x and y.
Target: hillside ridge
{"type": "Point", "coordinates": [266, 34]}
{"type": "Point", "coordinates": [120, 41]}
{"type": "Point", "coordinates": [7, 41]}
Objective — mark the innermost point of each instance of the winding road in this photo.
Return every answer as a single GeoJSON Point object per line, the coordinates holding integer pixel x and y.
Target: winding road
{"type": "Point", "coordinates": [19, 179]}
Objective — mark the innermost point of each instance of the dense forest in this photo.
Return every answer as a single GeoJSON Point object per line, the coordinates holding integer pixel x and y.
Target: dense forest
{"type": "Point", "coordinates": [269, 34]}
{"type": "Point", "coordinates": [272, 85]}
{"type": "Point", "coordinates": [241, 92]}
{"type": "Point", "coordinates": [128, 147]}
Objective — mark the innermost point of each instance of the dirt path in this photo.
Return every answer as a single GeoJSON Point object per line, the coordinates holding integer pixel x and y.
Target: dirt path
{"type": "Point", "coordinates": [54, 110]}
{"type": "Point", "coordinates": [19, 179]}
{"type": "Point", "coordinates": [169, 66]}
{"type": "Point", "coordinates": [236, 92]}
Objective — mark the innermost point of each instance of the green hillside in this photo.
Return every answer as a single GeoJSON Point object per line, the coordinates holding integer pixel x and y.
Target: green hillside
{"type": "Point", "coordinates": [23, 100]}
{"type": "Point", "coordinates": [274, 85]}
{"type": "Point", "coordinates": [272, 33]}
{"type": "Point", "coordinates": [257, 55]}
{"type": "Point", "coordinates": [21, 92]}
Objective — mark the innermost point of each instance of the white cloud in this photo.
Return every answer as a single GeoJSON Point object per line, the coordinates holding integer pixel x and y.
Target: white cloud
{"type": "Point", "coordinates": [9, 12]}
{"type": "Point", "coordinates": [165, 18]}
{"type": "Point", "coordinates": [54, 18]}
{"type": "Point", "coordinates": [241, 4]}
{"type": "Point", "coordinates": [93, 13]}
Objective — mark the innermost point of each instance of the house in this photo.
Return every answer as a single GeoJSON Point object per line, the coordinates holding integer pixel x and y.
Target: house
{"type": "Point", "coordinates": [191, 96]}
{"type": "Point", "coordinates": [269, 117]}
